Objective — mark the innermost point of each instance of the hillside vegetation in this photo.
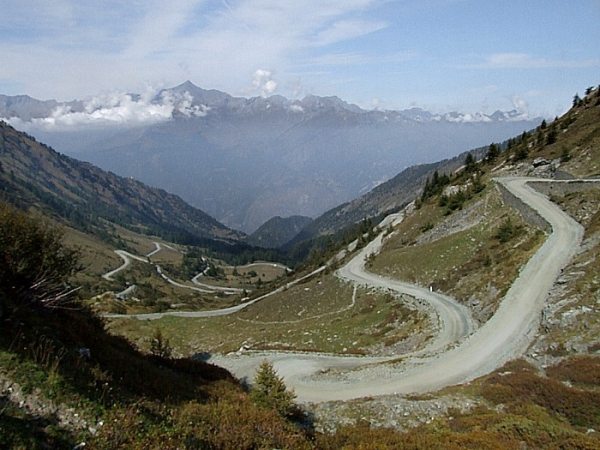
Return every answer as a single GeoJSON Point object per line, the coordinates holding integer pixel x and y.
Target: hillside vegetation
{"type": "Point", "coordinates": [32, 174]}
{"type": "Point", "coordinates": [65, 380]}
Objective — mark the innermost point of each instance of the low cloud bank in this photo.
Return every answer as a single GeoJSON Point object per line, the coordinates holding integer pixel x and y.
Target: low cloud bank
{"type": "Point", "coordinates": [116, 109]}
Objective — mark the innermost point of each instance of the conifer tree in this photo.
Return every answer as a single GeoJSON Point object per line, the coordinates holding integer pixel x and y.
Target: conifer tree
{"type": "Point", "coordinates": [270, 391]}
{"type": "Point", "coordinates": [551, 137]}
{"type": "Point", "coordinates": [469, 162]}
{"type": "Point", "coordinates": [493, 152]}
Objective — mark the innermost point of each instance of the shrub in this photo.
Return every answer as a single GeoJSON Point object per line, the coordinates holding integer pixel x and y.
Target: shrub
{"type": "Point", "coordinates": [507, 231]}
{"type": "Point", "coordinates": [34, 264]}
{"type": "Point", "coordinates": [519, 387]}
{"type": "Point", "coordinates": [582, 370]}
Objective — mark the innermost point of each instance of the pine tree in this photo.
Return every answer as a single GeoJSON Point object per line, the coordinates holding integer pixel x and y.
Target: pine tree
{"type": "Point", "coordinates": [159, 346]}
{"type": "Point", "coordinates": [469, 162]}
{"type": "Point", "coordinates": [493, 152]}
{"type": "Point", "coordinates": [543, 124]}
{"type": "Point", "coordinates": [551, 137]}
{"type": "Point", "coordinates": [521, 153]}
{"type": "Point", "coordinates": [269, 391]}
{"type": "Point", "coordinates": [576, 100]}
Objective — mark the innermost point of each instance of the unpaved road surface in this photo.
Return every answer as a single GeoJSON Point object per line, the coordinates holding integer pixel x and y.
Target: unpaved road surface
{"type": "Point", "coordinates": [214, 312]}
{"type": "Point", "coordinates": [505, 336]}
{"type": "Point", "coordinates": [126, 257]}
{"type": "Point", "coordinates": [455, 321]}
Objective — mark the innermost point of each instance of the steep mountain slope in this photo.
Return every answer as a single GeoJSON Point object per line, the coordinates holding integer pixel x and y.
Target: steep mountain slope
{"type": "Point", "coordinates": [245, 160]}
{"type": "Point", "coordinates": [32, 174]}
{"type": "Point", "coordinates": [575, 152]}
{"type": "Point", "coordinates": [277, 231]}
{"type": "Point", "coordinates": [385, 198]}
{"type": "Point", "coordinates": [25, 107]}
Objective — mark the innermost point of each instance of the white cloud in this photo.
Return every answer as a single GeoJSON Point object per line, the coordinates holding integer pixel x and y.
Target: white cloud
{"type": "Point", "coordinates": [520, 104]}
{"type": "Point", "coordinates": [263, 82]}
{"type": "Point", "coordinates": [347, 29]}
{"type": "Point", "coordinates": [358, 58]}
{"type": "Point", "coordinates": [116, 109]}
{"type": "Point", "coordinates": [128, 44]}
{"type": "Point", "coordinates": [377, 104]}
{"type": "Point", "coordinates": [526, 61]}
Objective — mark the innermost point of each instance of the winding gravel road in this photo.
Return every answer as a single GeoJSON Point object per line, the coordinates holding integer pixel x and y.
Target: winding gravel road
{"type": "Point", "coordinates": [504, 337]}
{"type": "Point", "coordinates": [455, 319]}
{"type": "Point", "coordinates": [214, 312]}
{"type": "Point", "coordinates": [203, 287]}
{"type": "Point", "coordinates": [126, 257]}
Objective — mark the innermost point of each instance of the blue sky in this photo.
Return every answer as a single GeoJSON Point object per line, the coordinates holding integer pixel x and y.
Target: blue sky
{"type": "Point", "coordinates": [442, 55]}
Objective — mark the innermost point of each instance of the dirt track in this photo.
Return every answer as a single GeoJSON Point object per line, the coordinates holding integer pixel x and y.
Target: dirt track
{"type": "Point", "coordinates": [505, 336]}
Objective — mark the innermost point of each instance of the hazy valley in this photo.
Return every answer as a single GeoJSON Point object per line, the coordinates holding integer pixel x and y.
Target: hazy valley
{"type": "Point", "coordinates": [246, 160]}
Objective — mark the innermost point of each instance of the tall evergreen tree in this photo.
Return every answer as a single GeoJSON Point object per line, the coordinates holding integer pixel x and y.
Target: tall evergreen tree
{"type": "Point", "coordinates": [469, 162]}
{"type": "Point", "coordinates": [493, 152]}
{"type": "Point", "coordinates": [270, 391]}
{"type": "Point", "coordinates": [551, 137]}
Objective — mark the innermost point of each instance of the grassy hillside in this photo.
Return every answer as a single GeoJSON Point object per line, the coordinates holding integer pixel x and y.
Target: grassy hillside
{"type": "Point", "coordinates": [343, 223]}
{"type": "Point", "coordinates": [64, 380]}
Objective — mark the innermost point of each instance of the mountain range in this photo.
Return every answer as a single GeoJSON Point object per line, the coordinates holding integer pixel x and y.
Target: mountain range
{"type": "Point", "coordinates": [246, 160]}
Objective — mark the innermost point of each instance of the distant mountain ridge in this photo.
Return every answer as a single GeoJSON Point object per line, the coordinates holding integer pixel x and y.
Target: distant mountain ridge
{"type": "Point", "coordinates": [246, 160]}
{"type": "Point", "coordinates": [27, 108]}
{"type": "Point", "coordinates": [277, 231]}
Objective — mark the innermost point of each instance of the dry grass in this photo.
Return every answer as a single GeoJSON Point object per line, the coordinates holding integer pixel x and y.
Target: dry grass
{"type": "Point", "coordinates": [472, 265]}
{"type": "Point", "coordinates": [317, 319]}
{"type": "Point", "coordinates": [97, 257]}
{"type": "Point", "coordinates": [584, 207]}
{"type": "Point", "coordinates": [581, 139]}
{"type": "Point", "coordinates": [518, 386]}
{"type": "Point", "coordinates": [265, 271]}
{"type": "Point", "coordinates": [581, 370]}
